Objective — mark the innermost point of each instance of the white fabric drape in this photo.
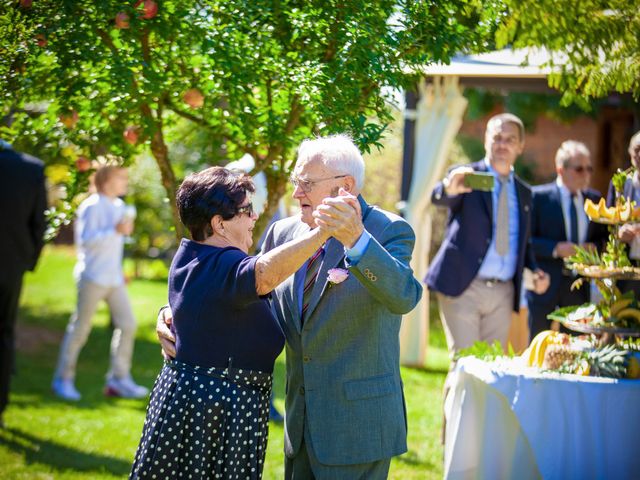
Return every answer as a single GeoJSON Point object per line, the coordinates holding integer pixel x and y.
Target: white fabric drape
{"type": "Point", "coordinates": [439, 115]}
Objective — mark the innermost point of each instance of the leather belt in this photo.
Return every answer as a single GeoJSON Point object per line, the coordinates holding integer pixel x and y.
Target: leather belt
{"type": "Point", "coordinates": [490, 282]}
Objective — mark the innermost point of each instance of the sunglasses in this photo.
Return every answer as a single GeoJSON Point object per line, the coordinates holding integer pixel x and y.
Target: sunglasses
{"type": "Point", "coordinates": [245, 209]}
{"type": "Point", "coordinates": [582, 168]}
{"type": "Point", "coordinates": [307, 185]}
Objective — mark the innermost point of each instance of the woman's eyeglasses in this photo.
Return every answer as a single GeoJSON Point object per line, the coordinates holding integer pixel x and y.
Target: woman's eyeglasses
{"type": "Point", "coordinates": [248, 209]}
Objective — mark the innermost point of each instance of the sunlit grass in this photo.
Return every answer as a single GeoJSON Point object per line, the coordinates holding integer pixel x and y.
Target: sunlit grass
{"type": "Point", "coordinates": [97, 437]}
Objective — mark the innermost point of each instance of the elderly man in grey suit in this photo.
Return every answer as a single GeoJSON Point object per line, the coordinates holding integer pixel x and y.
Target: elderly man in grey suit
{"type": "Point", "coordinates": [345, 414]}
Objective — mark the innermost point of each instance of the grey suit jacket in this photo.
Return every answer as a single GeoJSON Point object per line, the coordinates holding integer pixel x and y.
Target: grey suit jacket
{"type": "Point", "coordinates": [343, 365]}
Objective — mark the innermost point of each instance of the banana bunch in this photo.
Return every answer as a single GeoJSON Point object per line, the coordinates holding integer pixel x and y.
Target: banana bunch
{"type": "Point", "coordinates": [538, 346]}
{"type": "Point", "coordinates": [621, 212]}
{"type": "Point", "coordinates": [633, 367]}
{"type": "Point", "coordinates": [622, 311]}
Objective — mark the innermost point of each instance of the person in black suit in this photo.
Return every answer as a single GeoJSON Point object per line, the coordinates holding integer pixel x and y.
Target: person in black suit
{"type": "Point", "coordinates": [477, 271]}
{"type": "Point", "coordinates": [23, 200]}
{"type": "Point", "coordinates": [558, 224]}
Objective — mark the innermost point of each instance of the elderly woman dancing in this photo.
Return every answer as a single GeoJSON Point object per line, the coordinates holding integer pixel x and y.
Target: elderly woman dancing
{"type": "Point", "coordinates": [209, 409]}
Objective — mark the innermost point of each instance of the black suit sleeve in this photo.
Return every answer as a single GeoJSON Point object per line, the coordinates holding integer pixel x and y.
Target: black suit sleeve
{"type": "Point", "coordinates": [37, 221]}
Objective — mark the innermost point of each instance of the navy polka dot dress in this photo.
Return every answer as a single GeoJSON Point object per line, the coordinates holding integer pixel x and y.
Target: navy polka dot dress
{"type": "Point", "coordinates": [205, 423]}
{"type": "Point", "coordinates": [208, 414]}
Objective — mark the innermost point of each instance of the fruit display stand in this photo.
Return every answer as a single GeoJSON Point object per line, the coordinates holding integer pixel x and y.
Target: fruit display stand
{"type": "Point", "coordinates": [616, 317]}
{"type": "Point", "coordinates": [568, 406]}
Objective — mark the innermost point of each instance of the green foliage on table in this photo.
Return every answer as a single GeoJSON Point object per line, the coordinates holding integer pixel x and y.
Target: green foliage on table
{"type": "Point", "coordinates": [619, 179]}
{"type": "Point", "coordinates": [584, 256]}
{"type": "Point", "coordinates": [615, 254]}
{"type": "Point", "coordinates": [485, 351]}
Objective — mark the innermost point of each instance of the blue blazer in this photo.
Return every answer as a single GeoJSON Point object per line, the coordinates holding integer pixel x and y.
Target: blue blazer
{"type": "Point", "coordinates": [548, 228]}
{"type": "Point", "coordinates": [468, 235]}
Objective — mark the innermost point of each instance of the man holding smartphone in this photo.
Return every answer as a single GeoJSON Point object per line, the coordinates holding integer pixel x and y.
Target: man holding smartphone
{"type": "Point", "coordinates": [477, 272]}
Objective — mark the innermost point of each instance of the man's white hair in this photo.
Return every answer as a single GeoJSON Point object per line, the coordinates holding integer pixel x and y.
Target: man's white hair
{"type": "Point", "coordinates": [336, 152]}
{"type": "Point", "coordinates": [570, 149]}
{"type": "Point", "coordinates": [635, 139]}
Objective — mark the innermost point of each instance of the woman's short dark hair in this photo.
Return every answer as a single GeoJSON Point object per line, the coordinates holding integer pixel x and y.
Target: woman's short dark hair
{"type": "Point", "coordinates": [214, 191]}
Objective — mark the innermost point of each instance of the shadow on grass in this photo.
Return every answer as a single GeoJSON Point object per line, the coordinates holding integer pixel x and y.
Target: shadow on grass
{"type": "Point", "coordinates": [38, 350]}
{"type": "Point", "coordinates": [60, 457]}
{"type": "Point", "coordinates": [442, 370]}
{"type": "Point", "coordinates": [37, 355]}
{"type": "Point", "coordinates": [412, 459]}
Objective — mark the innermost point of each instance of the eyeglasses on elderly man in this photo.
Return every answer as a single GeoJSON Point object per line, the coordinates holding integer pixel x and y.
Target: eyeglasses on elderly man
{"type": "Point", "coordinates": [307, 185]}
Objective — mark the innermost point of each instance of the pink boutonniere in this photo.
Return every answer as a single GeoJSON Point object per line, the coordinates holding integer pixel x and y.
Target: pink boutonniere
{"type": "Point", "coordinates": [337, 275]}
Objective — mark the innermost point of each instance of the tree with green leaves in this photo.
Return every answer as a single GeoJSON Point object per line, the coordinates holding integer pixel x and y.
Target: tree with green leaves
{"type": "Point", "coordinates": [81, 78]}
{"type": "Point", "coordinates": [595, 43]}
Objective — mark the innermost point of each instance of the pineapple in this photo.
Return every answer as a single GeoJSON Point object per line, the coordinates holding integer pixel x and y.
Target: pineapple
{"type": "Point", "coordinates": [608, 362]}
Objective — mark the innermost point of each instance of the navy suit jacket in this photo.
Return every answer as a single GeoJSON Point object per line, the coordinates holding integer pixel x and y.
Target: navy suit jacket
{"type": "Point", "coordinates": [468, 235]}
{"type": "Point", "coordinates": [548, 228]}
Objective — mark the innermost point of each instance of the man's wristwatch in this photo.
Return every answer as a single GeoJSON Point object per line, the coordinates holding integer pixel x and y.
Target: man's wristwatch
{"type": "Point", "coordinates": [445, 183]}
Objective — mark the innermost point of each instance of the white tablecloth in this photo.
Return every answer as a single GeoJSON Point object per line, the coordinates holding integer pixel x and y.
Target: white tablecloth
{"type": "Point", "coordinates": [506, 420]}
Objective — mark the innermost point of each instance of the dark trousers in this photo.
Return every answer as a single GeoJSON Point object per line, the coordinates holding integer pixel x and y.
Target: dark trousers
{"type": "Point", "coordinates": [542, 305]}
{"type": "Point", "coordinates": [10, 286]}
{"type": "Point", "coordinates": [305, 466]}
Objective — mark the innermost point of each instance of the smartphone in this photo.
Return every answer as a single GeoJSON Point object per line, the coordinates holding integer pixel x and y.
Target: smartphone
{"type": "Point", "coordinates": [479, 181]}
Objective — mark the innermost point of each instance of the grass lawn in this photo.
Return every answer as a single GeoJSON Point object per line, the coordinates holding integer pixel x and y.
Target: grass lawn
{"type": "Point", "coordinates": [96, 438]}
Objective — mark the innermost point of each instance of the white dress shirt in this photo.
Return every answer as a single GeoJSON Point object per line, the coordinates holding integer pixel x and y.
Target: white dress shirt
{"type": "Point", "coordinates": [583, 220]}
{"type": "Point", "coordinates": [99, 245]}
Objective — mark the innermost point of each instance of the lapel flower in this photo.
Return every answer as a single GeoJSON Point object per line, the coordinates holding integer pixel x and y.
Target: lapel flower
{"type": "Point", "coordinates": [337, 275]}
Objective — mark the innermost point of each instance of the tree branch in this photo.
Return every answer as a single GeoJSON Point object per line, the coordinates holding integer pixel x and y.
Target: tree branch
{"type": "Point", "coordinates": [107, 41]}
{"type": "Point", "coordinates": [146, 50]}
{"type": "Point", "coordinates": [187, 115]}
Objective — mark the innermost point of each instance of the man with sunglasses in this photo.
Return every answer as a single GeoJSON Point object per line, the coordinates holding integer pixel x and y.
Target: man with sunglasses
{"type": "Point", "coordinates": [558, 225]}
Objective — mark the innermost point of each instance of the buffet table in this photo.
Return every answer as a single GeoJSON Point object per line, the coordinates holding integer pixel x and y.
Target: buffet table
{"type": "Point", "coordinates": [506, 420]}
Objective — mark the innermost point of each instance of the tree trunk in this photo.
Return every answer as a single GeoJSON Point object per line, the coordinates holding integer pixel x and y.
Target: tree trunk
{"type": "Point", "coordinates": [276, 188]}
{"type": "Point", "coordinates": [161, 154]}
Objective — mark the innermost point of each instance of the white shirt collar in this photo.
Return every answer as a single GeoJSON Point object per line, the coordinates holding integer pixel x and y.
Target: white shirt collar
{"type": "Point", "coordinates": [564, 190]}
{"type": "Point", "coordinates": [492, 170]}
